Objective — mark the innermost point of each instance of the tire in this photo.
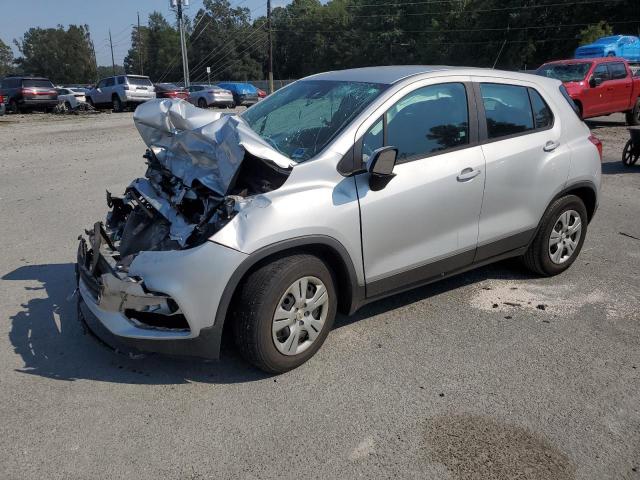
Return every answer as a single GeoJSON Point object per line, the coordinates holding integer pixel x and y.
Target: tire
{"type": "Point", "coordinates": [233, 105]}
{"type": "Point", "coordinates": [67, 106]}
{"type": "Point", "coordinates": [611, 54]}
{"type": "Point", "coordinates": [13, 106]}
{"type": "Point", "coordinates": [202, 103]}
{"type": "Point", "coordinates": [90, 102]}
{"type": "Point", "coordinates": [538, 258]}
{"type": "Point", "coordinates": [117, 104]}
{"type": "Point", "coordinates": [267, 289]}
{"type": "Point", "coordinates": [633, 116]}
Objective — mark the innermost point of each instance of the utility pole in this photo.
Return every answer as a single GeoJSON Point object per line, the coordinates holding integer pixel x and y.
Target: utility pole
{"type": "Point", "coordinates": [113, 62]}
{"type": "Point", "coordinates": [270, 47]}
{"type": "Point", "coordinates": [140, 47]}
{"type": "Point", "coordinates": [183, 46]}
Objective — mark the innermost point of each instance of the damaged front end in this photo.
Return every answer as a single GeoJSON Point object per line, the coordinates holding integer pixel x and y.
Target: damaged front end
{"type": "Point", "coordinates": [201, 169]}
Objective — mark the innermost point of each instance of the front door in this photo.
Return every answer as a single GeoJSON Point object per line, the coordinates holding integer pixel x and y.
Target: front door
{"type": "Point", "coordinates": [596, 97]}
{"type": "Point", "coordinates": [424, 221]}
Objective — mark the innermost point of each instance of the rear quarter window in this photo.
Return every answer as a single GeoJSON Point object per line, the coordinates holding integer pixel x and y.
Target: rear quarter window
{"type": "Point", "coordinates": [542, 116]}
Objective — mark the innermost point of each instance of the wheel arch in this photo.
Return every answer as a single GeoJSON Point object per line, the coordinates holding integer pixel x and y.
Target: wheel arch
{"type": "Point", "coordinates": [330, 250]}
{"type": "Point", "coordinates": [585, 191]}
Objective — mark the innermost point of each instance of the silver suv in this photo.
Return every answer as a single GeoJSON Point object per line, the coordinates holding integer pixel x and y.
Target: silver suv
{"type": "Point", "coordinates": [121, 91]}
{"type": "Point", "coordinates": [335, 191]}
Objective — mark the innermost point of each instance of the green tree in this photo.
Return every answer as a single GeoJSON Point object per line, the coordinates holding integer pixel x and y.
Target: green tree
{"type": "Point", "coordinates": [594, 32]}
{"type": "Point", "coordinates": [6, 59]}
{"type": "Point", "coordinates": [64, 56]}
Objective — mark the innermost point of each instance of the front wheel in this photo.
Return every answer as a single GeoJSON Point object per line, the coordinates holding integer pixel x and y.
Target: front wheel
{"type": "Point", "coordinates": [284, 312]}
{"type": "Point", "coordinates": [202, 103]}
{"type": "Point", "coordinates": [559, 238]}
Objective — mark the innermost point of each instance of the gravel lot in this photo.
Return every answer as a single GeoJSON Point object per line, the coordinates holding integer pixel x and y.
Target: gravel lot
{"type": "Point", "coordinates": [445, 382]}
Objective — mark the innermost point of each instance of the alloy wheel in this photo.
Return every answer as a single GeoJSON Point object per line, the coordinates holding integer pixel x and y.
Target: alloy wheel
{"type": "Point", "coordinates": [565, 236]}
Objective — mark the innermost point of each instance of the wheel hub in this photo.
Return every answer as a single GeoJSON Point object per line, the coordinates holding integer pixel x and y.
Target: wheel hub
{"type": "Point", "coordinates": [300, 315]}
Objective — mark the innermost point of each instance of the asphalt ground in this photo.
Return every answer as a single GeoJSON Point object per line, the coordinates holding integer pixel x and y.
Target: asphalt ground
{"type": "Point", "coordinates": [491, 374]}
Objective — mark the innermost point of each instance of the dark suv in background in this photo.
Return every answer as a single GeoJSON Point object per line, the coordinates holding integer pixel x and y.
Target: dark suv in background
{"type": "Point", "coordinates": [27, 92]}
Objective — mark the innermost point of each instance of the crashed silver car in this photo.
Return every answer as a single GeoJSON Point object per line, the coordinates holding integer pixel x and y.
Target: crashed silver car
{"type": "Point", "coordinates": [337, 190]}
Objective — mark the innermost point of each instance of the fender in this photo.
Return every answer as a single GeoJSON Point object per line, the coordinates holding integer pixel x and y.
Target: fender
{"type": "Point", "coordinates": [355, 292]}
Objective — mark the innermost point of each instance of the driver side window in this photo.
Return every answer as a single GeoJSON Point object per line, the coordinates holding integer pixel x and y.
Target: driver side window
{"type": "Point", "coordinates": [427, 120]}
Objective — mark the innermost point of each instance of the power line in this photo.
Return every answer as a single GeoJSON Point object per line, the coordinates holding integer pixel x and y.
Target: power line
{"type": "Point", "coordinates": [452, 30]}
{"type": "Point", "coordinates": [221, 68]}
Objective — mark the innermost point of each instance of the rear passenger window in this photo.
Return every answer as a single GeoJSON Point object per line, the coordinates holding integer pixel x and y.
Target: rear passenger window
{"type": "Point", "coordinates": [120, 80]}
{"type": "Point", "coordinates": [617, 71]}
{"type": "Point", "coordinates": [542, 116]}
{"type": "Point", "coordinates": [507, 109]}
{"type": "Point", "coordinates": [109, 82]}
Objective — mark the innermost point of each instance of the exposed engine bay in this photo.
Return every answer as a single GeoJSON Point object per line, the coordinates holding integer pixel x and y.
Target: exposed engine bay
{"type": "Point", "coordinates": [202, 169]}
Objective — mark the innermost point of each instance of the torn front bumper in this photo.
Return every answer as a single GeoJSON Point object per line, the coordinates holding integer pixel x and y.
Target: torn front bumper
{"type": "Point", "coordinates": [188, 283]}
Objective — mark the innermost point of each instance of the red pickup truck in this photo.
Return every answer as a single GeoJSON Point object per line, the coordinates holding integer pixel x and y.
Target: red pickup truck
{"type": "Point", "coordinates": [598, 86]}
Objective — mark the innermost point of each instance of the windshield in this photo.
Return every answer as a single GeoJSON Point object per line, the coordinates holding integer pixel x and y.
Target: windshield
{"type": "Point", "coordinates": [302, 118]}
{"type": "Point", "coordinates": [565, 72]}
{"type": "Point", "coordinates": [143, 81]}
{"type": "Point", "coordinates": [35, 83]}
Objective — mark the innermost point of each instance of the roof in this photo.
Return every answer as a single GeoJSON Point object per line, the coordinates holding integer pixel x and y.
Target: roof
{"type": "Point", "coordinates": [586, 60]}
{"type": "Point", "coordinates": [385, 74]}
{"type": "Point", "coordinates": [393, 74]}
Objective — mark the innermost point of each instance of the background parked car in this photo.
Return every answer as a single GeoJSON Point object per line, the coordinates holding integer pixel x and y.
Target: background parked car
{"type": "Point", "coordinates": [261, 94]}
{"type": "Point", "coordinates": [205, 96]}
{"type": "Point", "coordinates": [121, 91]}
{"type": "Point", "coordinates": [623, 46]}
{"type": "Point", "coordinates": [243, 93]}
{"type": "Point", "coordinates": [169, 90]}
{"type": "Point", "coordinates": [26, 92]}
{"type": "Point", "coordinates": [2, 104]}
{"type": "Point", "coordinates": [70, 97]}
{"type": "Point", "coordinates": [599, 86]}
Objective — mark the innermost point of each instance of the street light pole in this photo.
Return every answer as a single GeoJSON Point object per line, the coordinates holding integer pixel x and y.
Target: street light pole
{"type": "Point", "coordinates": [270, 47]}
{"type": "Point", "coordinates": [183, 46]}
{"type": "Point", "coordinates": [113, 62]}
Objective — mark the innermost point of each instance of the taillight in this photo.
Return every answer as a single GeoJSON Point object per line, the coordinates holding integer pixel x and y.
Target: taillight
{"type": "Point", "coordinates": [596, 141]}
{"type": "Point", "coordinates": [126, 87]}
{"type": "Point", "coordinates": [28, 91]}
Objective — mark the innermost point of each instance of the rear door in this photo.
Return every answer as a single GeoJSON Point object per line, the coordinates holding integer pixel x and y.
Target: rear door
{"type": "Point", "coordinates": [527, 162]}
{"type": "Point", "coordinates": [424, 221]}
{"type": "Point", "coordinates": [619, 87]}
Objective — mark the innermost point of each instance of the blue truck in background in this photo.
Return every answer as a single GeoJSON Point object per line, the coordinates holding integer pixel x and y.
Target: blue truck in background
{"type": "Point", "coordinates": [623, 46]}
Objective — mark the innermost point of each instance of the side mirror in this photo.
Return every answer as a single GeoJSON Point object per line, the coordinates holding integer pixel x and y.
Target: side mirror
{"type": "Point", "coordinates": [595, 81]}
{"type": "Point", "coordinates": [382, 161]}
{"type": "Point", "coordinates": [380, 167]}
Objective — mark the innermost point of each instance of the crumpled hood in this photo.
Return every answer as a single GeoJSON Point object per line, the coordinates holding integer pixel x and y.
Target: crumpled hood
{"type": "Point", "coordinates": [196, 144]}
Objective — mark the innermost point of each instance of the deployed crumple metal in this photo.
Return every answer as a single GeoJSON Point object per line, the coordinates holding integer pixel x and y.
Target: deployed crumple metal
{"type": "Point", "coordinates": [196, 144]}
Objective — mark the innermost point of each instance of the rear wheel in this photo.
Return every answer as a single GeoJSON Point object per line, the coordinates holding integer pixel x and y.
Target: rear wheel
{"type": "Point", "coordinates": [67, 106]}
{"type": "Point", "coordinates": [116, 104]}
{"type": "Point", "coordinates": [202, 103]}
{"type": "Point", "coordinates": [633, 115]}
{"type": "Point", "coordinates": [560, 237]}
{"type": "Point", "coordinates": [284, 312]}
{"type": "Point", "coordinates": [13, 106]}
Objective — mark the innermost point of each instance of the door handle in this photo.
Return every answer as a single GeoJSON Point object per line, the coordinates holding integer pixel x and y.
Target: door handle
{"type": "Point", "coordinates": [550, 146]}
{"type": "Point", "coordinates": [468, 174]}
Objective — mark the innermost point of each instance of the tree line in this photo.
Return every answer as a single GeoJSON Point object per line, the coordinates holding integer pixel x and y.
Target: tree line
{"type": "Point", "coordinates": [310, 37]}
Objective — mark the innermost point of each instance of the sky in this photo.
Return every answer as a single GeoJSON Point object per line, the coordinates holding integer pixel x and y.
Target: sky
{"type": "Point", "coordinates": [17, 17]}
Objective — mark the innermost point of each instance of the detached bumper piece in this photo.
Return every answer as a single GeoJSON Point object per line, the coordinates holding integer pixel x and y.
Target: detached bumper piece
{"type": "Point", "coordinates": [113, 290]}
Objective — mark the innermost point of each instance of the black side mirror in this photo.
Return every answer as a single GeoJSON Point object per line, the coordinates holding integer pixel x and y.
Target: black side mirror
{"type": "Point", "coordinates": [595, 81]}
{"type": "Point", "coordinates": [380, 167]}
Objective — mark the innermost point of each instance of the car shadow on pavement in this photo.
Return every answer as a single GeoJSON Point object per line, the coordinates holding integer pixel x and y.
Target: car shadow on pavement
{"type": "Point", "coordinates": [505, 270]}
{"type": "Point", "coordinates": [615, 168]}
{"type": "Point", "coordinates": [53, 343]}
{"type": "Point", "coordinates": [604, 123]}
